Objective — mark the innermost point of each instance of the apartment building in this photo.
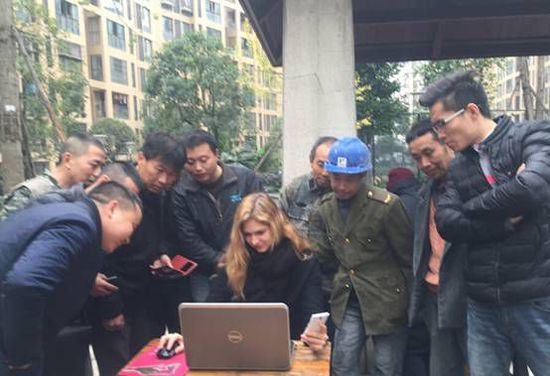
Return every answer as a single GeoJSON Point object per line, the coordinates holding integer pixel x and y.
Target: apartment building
{"type": "Point", "coordinates": [508, 96]}
{"type": "Point", "coordinates": [115, 39]}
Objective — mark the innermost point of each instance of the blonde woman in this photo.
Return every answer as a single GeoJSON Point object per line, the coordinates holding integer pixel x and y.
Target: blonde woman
{"type": "Point", "coordinates": [268, 261]}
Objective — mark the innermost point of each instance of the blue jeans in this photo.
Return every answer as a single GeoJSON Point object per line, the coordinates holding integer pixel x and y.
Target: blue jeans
{"type": "Point", "coordinates": [496, 332]}
{"type": "Point", "coordinates": [349, 341]}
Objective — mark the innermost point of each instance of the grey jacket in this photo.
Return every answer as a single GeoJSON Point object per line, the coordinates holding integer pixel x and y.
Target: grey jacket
{"type": "Point", "coordinates": [451, 295]}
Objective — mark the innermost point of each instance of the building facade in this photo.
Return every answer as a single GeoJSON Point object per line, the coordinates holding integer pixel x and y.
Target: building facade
{"type": "Point", "coordinates": [115, 40]}
{"type": "Point", "coordinates": [508, 96]}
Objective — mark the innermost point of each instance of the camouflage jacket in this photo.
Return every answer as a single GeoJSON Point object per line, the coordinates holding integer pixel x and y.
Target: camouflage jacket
{"type": "Point", "coordinates": [26, 191]}
{"type": "Point", "coordinates": [298, 199]}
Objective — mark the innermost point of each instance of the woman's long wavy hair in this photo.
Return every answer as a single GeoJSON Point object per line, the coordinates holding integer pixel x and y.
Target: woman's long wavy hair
{"type": "Point", "coordinates": [259, 207]}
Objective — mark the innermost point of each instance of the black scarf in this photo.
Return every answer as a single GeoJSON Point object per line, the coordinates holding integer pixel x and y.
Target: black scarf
{"type": "Point", "coordinates": [269, 274]}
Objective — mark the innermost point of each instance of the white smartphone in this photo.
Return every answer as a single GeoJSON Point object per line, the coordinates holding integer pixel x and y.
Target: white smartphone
{"type": "Point", "coordinates": [315, 321]}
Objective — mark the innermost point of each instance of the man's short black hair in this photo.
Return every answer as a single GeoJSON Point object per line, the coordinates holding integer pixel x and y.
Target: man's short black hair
{"type": "Point", "coordinates": [78, 144]}
{"type": "Point", "coordinates": [127, 200]}
{"type": "Point", "coordinates": [419, 129]}
{"type": "Point", "coordinates": [320, 141]}
{"type": "Point", "coordinates": [164, 147]}
{"type": "Point", "coordinates": [199, 137]}
{"type": "Point", "coordinates": [119, 172]}
{"type": "Point", "coordinates": [455, 91]}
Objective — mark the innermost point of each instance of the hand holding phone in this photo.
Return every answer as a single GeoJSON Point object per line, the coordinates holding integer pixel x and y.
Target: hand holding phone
{"type": "Point", "coordinates": [315, 322]}
{"type": "Point", "coordinates": [181, 267]}
{"type": "Point", "coordinates": [111, 279]}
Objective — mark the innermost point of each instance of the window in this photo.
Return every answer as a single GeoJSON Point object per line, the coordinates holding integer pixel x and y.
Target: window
{"type": "Point", "coordinates": [213, 33]}
{"type": "Point", "coordinates": [115, 33]}
{"type": "Point", "coordinates": [270, 101]}
{"type": "Point", "coordinates": [143, 18]}
{"type": "Point", "coordinates": [129, 9]}
{"type": "Point", "coordinates": [93, 34]}
{"type": "Point", "coordinates": [248, 70]}
{"type": "Point", "coordinates": [115, 6]}
{"type": "Point", "coordinates": [131, 40]}
{"type": "Point", "coordinates": [167, 28]}
{"type": "Point", "coordinates": [213, 11]}
{"type": "Point", "coordinates": [133, 75]}
{"type": "Point", "coordinates": [120, 105]}
{"type": "Point", "coordinates": [246, 47]}
{"type": "Point", "coordinates": [99, 104]}
{"type": "Point", "coordinates": [67, 16]}
{"type": "Point", "coordinates": [142, 78]}
{"type": "Point", "coordinates": [119, 71]}
{"type": "Point", "coordinates": [145, 49]}
{"type": "Point", "coordinates": [186, 6]}
{"type": "Point", "coordinates": [96, 67]}
{"type": "Point", "coordinates": [182, 28]}
{"type": "Point", "coordinates": [167, 5]}
{"type": "Point", "coordinates": [70, 56]}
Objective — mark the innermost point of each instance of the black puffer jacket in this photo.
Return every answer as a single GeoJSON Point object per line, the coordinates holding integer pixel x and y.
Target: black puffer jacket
{"type": "Point", "coordinates": [203, 223]}
{"type": "Point", "coordinates": [506, 263]}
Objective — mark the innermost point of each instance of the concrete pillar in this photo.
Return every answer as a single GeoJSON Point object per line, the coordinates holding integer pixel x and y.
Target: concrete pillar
{"type": "Point", "coordinates": [319, 75]}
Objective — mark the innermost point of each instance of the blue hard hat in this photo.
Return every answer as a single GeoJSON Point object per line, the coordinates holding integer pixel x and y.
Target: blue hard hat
{"type": "Point", "coordinates": [349, 155]}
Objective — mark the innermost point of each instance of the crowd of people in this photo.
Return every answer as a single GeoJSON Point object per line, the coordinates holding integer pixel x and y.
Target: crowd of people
{"type": "Point", "coordinates": [449, 277]}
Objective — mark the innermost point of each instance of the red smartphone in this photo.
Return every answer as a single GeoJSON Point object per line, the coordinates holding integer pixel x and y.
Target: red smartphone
{"type": "Point", "coordinates": [183, 265]}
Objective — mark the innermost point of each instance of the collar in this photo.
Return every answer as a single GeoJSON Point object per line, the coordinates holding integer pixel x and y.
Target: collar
{"type": "Point", "coordinates": [313, 187]}
{"type": "Point", "coordinates": [47, 174]}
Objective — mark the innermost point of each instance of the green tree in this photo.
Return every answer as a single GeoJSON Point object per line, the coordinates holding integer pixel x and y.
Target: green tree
{"type": "Point", "coordinates": [379, 111]}
{"type": "Point", "coordinates": [432, 70]}
{"type": "Point", "coordinates": [118, 135]}
{"type": "Point", "coordinates": [193, 82]}
{"type": "Point", "coordinates": [59, 75]}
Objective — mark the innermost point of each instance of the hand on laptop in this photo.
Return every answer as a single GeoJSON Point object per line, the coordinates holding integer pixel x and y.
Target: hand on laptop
{"type": "Point", "coordinates": [170, 340]}
{"type": "Point", "coordinates": [316, 341]}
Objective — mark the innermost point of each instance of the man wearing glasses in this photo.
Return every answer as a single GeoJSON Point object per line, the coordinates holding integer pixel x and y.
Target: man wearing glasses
{"type": "Point", "coordinates": [497, 202]}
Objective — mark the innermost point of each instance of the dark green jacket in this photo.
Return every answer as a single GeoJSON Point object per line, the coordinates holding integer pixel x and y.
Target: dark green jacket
{"type": "Point", "coordinates": [374, 252]}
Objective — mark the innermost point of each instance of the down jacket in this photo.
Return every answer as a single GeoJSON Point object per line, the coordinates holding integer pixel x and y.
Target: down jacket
{"type": "Point", "coordinates": [507, 263]}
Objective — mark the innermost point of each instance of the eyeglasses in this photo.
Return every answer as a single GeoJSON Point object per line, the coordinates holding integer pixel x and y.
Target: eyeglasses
{"type": "Point", "coordinates": [439, 125]}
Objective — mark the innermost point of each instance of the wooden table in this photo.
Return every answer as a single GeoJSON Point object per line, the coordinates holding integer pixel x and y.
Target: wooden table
{"type": "Point", "coordinates": [305, 364]}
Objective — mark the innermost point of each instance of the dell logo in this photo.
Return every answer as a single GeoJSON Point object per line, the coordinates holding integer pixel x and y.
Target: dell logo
{"type": "Point", "coordinates": [234, 336]}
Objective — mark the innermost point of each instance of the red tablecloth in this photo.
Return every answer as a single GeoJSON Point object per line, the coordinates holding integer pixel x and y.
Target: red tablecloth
{"type": "Point", "coordinates": [147, 363]}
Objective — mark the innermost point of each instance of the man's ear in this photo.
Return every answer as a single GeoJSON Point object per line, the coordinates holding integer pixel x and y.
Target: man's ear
{"type": "Point", "coordinates": [140, 157]}
{"type": "Point", "coordinates": [473, 109]}
{"type": "Point", "coordinates": [66, 158]}
{"type": "Point", "coordinates": [110, 208]}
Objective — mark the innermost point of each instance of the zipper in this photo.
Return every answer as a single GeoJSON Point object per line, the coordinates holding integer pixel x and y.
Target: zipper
{"type": "Point", "coordinates": [216, 205]}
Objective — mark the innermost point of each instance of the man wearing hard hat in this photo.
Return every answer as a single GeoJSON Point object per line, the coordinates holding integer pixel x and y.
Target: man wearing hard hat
{"type": "Point", "coordinates": [367, 232]}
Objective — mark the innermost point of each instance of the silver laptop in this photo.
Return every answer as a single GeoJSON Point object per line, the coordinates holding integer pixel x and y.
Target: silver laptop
{"type": "Point", "coordinates": [236, 336]}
